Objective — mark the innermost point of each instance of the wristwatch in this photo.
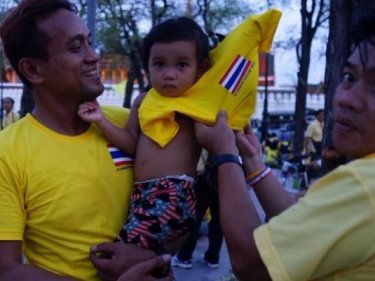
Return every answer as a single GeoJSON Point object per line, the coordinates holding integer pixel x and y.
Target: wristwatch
{"type": "Point", "coordinates": [217, 160]}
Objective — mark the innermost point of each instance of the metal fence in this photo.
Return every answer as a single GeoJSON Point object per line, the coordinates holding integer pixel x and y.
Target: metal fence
{"type": "Point", "coordinates": [279, 99]}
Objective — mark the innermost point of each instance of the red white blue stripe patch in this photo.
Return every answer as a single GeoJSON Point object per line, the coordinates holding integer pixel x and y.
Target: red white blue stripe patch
{"type": "Point", "coordinates": [235, 74]}
{"type": "Point", "coordinates": [119, 157]}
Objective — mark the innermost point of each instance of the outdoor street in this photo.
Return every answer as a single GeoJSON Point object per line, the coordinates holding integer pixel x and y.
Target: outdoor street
{"type": "Point", "coordinates": [200, 272]}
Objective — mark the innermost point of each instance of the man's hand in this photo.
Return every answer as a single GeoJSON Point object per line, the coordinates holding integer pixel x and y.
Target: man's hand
{"type": "Point", "coordinates": [112, 259]}
{"type": "Point", "coordinates": [142, 271]}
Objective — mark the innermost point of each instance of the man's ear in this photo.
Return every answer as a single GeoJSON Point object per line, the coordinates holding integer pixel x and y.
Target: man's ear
{"type": "Point", "coordinates": [30, 69]}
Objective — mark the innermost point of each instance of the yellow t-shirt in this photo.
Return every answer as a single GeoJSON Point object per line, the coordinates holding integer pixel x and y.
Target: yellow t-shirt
{"type": "Point", "coordinates": [62, 194]}
{"type": "Point", "coordinates": [329, 234]}
{"type": "Point", "coordinates": [315, 131]}
{"type": "Point", "coordinates": [9, 119]}
{"type": "Point", "coordinates": [230, 83]}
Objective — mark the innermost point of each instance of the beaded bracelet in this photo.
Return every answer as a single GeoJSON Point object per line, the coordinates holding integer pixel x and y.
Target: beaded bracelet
{"type": "Point", "coordinates": [261, 175]}
{"type": "Point", "coordinates": [254, 174]}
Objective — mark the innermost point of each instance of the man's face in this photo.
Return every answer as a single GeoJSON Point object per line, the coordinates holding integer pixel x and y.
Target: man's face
{"type": "Point", "coordinates": [354, 106]}
{"type": "Point", "coordinates": [173, 67]}
{"type": "Point", "coordinates": [7, 105]}
{"type": "Point", "coordinates": [320, 116]}
{"type": "Point", "coordinates": [71, 73]}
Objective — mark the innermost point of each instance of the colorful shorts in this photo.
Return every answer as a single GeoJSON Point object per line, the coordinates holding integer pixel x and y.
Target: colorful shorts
{"type": "Point", "coordinates": [161, 210]}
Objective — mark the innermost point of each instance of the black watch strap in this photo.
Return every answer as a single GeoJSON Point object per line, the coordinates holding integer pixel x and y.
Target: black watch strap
{"type": "Point", "coordinates": [217, 160]}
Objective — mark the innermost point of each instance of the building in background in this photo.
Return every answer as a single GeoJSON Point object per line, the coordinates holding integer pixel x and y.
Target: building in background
{"type": "Point", "coordinates": [263, 70]}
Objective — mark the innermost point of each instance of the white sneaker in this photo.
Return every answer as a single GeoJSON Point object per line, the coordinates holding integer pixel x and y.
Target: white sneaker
{"type": "Point", "coordinates": [180, 263]}
{"type": "Point", "coordinates": [209, 264]}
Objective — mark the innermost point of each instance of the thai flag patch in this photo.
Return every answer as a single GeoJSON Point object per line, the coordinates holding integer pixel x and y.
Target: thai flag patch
{"type": "Point", "coordinates": [235, 74]}
{"type": "Point", "coordinates": [119, 157]}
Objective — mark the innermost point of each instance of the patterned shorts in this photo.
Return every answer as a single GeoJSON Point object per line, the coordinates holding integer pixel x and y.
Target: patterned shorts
{"type": "Point", "coordinates": [161, 210]}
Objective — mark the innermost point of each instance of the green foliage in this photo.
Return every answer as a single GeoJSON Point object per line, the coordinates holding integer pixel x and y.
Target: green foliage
{"type": "Point", "coordinates": [222, 16]}
{"type": "Point", "coordinates": [117, 20]}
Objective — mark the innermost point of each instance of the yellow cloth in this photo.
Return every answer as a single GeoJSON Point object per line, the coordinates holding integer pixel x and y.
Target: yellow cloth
{"type": "Point", "coordinates": [328, 234]}
{"type": "Point", "coordinates": [235, 66]}
{"type": "Point", "coordinates": [9, 119]}
{"type": "Point", "coordinates": [62, 194]}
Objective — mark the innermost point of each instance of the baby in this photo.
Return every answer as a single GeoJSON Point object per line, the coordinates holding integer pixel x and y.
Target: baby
{"type": "Point", "coordinates": [176, 54]}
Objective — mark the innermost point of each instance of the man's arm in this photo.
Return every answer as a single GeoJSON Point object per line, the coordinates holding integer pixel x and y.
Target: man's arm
{"type": "Point", "coordinates": [11, 267]}
{"type": "Point", "coordinates": [238, 215]}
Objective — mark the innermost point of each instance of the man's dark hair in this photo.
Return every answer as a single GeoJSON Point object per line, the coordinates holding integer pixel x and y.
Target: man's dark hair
{"type": "Point", "coordinates": [318, 111]}
{"type": "Point", "coordinates": [177, 29]}
{"type": "Point", "coordinates": [21, 35]}
{"type": "Point", "coordinates": [8, 98]}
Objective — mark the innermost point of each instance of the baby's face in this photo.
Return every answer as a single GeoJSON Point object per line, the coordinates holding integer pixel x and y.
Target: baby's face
{"type": "Point", "coordinates": [173, 67]}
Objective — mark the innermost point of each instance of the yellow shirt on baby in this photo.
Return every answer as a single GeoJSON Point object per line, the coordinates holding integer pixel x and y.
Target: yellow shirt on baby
{"type": "Point", "coordinates": [230, 84]}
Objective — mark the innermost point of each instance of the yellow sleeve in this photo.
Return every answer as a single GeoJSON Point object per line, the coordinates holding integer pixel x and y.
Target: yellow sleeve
{"type": "Point", "coordinates": [267, 22]}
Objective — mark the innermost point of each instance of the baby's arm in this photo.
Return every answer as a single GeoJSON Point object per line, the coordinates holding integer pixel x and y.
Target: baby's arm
{"type": "Point", "coordinates": [123, 138]}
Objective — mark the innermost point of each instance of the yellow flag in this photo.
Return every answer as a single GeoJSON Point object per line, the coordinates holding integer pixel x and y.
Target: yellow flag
{"type": "Point", "coordinates": [230, 84]}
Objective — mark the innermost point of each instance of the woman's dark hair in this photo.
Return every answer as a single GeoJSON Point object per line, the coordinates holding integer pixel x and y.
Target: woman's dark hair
{"type": "Point", "coordinates": [364, 26]}
{"type": "Point", "coordinates": [21, 35]}
{"type": "Point", "coordinates": [177, 29]}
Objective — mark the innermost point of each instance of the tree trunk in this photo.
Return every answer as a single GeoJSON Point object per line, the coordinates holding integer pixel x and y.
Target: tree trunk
{"type": "Point", "coordinates": [303, 49]}
{"type": "Point", "coordinates": [135, 74]}
{"type": "Point", "coordinates": [300, 106]}
{"type": "Point", "coordinates": [338, 48]}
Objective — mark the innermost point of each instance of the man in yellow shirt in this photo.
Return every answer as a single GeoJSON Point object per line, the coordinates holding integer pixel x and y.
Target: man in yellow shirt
{"type": "Point", "coordinates": [314, 135]}
{"type": "Point", "coordinates": [9, 116]}
{"type": "Point", "coordinates": [63, 186]}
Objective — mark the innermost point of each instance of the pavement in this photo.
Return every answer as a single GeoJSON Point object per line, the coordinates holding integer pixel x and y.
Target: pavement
{"type": "Point", "coordinates": [201, 272]}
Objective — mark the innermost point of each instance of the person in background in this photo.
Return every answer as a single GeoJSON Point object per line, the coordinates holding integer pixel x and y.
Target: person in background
{"type": "Point", "coordinates": [8, 116]}
{"type": "Point", "coordinates": [206, 192]}
{"type": "Point", "coordinates": [270, 150]}
{"type": "Point", "coordinates": [313, 145]}
{"type": "Point", "coordinates": [314, 135]}
{"type": "Point", "coordinates": [338, 208]}
{"type": "Point", "coordinates": [62, 189]}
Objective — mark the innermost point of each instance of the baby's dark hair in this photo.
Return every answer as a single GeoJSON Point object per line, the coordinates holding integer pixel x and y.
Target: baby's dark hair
{"type": "Point", "coordinates": [177, 29]}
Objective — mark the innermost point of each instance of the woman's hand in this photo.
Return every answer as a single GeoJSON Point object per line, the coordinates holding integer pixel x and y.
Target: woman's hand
{"type": "Point", "coordinates": [217, 139]}
{"type": "Point", "coordinates": [250, 150]}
